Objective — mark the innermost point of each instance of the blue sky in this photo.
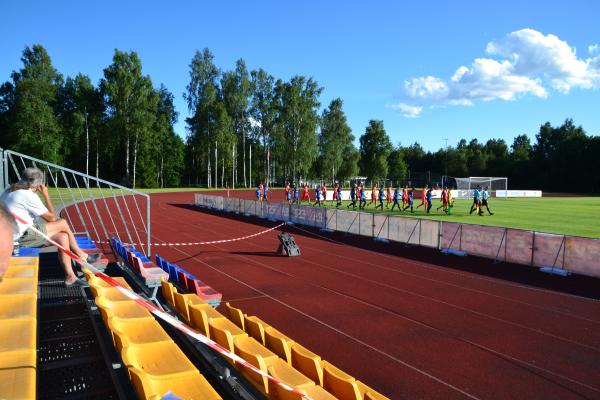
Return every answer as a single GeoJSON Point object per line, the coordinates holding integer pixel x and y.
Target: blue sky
{"type": "Point", "coordinates": [430, 71]}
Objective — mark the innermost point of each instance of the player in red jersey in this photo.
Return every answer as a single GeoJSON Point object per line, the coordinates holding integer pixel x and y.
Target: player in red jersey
{"type": "Point", "coordinates": [389, 196]}
{"type": "Point", "coordinates": [324, 193]}
{"type": "Point", "coordinates": [305, 195]}
{"type": "Point", "coordinates": [261, 187]}
{"type": "Point", "coordinates": [286, 195]}
{"type": "Point", "coordinates": [444, 200]}
{"type": "Point", "coordinates": [404, 196]}
{"type": "Point", "coordinates": [373, 195]}
{"type": "Point", "coordinates": [423, 197]}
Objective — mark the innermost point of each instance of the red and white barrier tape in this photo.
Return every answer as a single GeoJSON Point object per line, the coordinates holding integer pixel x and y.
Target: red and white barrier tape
{"type": "Point", "coordinates": [202, 243]}
{"type": "Point", "coordinates": [163, 315]}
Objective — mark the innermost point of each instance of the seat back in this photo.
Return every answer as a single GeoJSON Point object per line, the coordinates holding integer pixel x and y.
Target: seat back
{"type": "Point", "coordinates": [339, 383]}
{"type": "Point", "coordinates": [181, 305]}
{"type": "Point", "coordinates": [255, 329]}
{"type": "Point", "coordinates": [279, 344]}
{"type": "Point", "coordinates": [308, 363]}
{"type": "Point", "coordinates": [220, 335]}
{"type": "Point", "coordinates": [235, 315]}
{"type": "Point", "coordinates": [261, 382]}
{"type": "Point", "coordinates": [168, 291]}
{"type": "Point", "coordinates": [199, 319]}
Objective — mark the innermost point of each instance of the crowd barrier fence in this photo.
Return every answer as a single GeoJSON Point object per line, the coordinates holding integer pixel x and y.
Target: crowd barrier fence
{"type": "Point", "coordinates": [536, 249]}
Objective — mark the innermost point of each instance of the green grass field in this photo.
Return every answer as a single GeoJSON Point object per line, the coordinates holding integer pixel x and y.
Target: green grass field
{"type": "Point", "coordinates": [578, 216]}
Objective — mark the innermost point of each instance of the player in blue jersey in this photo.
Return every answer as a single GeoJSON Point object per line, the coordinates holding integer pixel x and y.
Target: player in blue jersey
{"type": "Point", "coordinates": [411, 200]}
{"type": "Point", "coordinates": [429, 196]}
{"type": "Point", "coordinates": [296, 195]}
{"type": "Point", "coordinates": [352, 197]}
{"type": "Point", "coordinates": [484, 201]}
{"type": "Point", "coordinates": [397, 197]}
{"type": "Point", "coordinates": [476, 201]}
{"type": "Point", "coordinates": [381, 198]}
{"type": "Point", "coordinates": [363, 197]}
{"type": "Point", "coordinates": [318, 196]}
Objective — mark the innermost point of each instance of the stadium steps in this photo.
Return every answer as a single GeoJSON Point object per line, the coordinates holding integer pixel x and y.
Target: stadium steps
{"type": "Point", "coordinates": [74, 361]}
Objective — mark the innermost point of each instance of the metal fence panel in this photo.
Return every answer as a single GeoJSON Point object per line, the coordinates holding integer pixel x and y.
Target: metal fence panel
{"type": "Point", "coordinates": [277, 211]}
{"type": "Point", "coordinates": [404, 230]}
{"type": "Point", "coordinates": [308, 215]}
{"type": "Point", "coordinates": [381, 227]}
{"type": "Point", "coordinates": [518, 247]}
{"type": "Point", "coordinates": [365, 224]}
{"type": "Point", "coordinates": [429, 233]}
{"type": "Point", "coordinates": [481, 240]}
{"type": "Point", "coordinates": [548, 250]}
{"type": "Point", "coordinates": [347, 222]}
{"type": "Point", "coordinates": [583, 255]}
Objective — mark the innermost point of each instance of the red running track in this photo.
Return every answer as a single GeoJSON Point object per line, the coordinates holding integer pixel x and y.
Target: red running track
{"type": "Point", "coordinates": [408, 328]}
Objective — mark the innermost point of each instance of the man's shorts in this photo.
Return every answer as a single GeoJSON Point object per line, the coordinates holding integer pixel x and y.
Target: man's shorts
{"type": "Point", "coordinates": [31, 239]}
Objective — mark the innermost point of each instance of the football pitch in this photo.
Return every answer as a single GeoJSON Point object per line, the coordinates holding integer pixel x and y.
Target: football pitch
{"type": "Point", "coordinates": [579, 216]}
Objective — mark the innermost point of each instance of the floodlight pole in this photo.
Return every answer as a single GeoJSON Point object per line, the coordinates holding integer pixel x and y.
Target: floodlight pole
{"type": "Point", "coordinates": [445, 162]}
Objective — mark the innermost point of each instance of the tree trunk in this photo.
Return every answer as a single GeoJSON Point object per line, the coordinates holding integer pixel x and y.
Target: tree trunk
{"type": "Point", "coordinates": [216, 167]}
{"type": "Point", "coordinates": [250, 174]}
{"type": "Point", "coordinates": [135, 146]}
{"type": "Point", "coordinates": [97, 159]}
{"type": "Point", "coordinates": [244, 156]}
{"type": "Point", "coordinates": [87, 144]}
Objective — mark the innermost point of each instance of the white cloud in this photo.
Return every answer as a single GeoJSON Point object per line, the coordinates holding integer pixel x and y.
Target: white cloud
{"type": "Point", "coordinates": [528, 63]}
{"type": "Point", "coordinates": [407, 110]}
{"type": "Point", "coordinates": [593, 49]}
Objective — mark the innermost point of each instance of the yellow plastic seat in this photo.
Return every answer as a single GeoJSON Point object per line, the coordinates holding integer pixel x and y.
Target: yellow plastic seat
{"type": "Point", "coordinates": [339, 383]}
{"type": "Point", "coordinates": [158, 359]}
{"type": "Point", "coordinates": [109, 293]}
{"type": "Point", "coordinates": [182, 302]}
{"type": "Point", "coordinates": [121, 309]}
{"type": "Point", "coordinates": [189, 386]}
{"type": "Point", "coordinates": [17, 262]}
{"type": "Point", "coordinates": [18, 286]}
{"type": "Point", "coordinates": [101, 282]}
{"type": "Point", "coordinates": [168, 291]}
{"type": "Point", "coordinates": [279, 344]}
{"type": "Point", "coordinates": [199, 315]}
{"type": "Point", "coordinates": [17, 306]}
{"type": "Point", "coordinates": [18, 343]}
{"type": "Point", "coordinates": [308, 363]}
{"type": "Point", "coordinates": [17, 383]}
{"type": "Point", "coordinates": [136, 332]}
{"type": "Point", "coordinates": [224, 332]}
{"type": "Point", "coordinates": [287, 374]}
{"type": "Point", "coordinates": [256, 328]}
{"type": "Point", "coordinates": [236, 315]}
{"type": "Point", "coordinates": [21, 271]}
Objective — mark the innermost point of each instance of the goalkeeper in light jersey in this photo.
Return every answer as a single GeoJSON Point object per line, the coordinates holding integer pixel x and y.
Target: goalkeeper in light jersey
{"type": "Point", "coordinates": [476, 201]}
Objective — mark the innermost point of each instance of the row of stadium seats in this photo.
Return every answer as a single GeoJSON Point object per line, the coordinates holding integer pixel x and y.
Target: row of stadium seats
{"type": "Point", "coordinates": [155, 363]}
{"type": "Point", "coordinates": [189, 282]}
{"type": "Point", "coordinates": [138, 263]}
{"type": "Point", "coordinates": [234, 338]}
{"type": "Point", "coordinates": [88, 246]}
{"type": "Point", "coordinates": [18, 328]}
{"type": "Point", "coordinates": [323, 373]}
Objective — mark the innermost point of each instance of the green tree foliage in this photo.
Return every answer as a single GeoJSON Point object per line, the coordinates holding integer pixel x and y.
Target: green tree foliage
{"type": "Point", "coordinates": [375, 148]}
{"type": "Point", "coordinates": [132, 105]}
{"type": "Point", "coordinates": [170, 148]}
{"type": "Point", "coordinates": [349, 167]}
{"type": "Point", "coordinates": [263, 112]}
{"type": "Point", "coordinates": [80, 110]}
{"type": "Point", "coordinates": [295, 136]}
{"type": "Point", "coordinates": [202, 93]}
{"type": "Point", "coordinates": [236, 90]}
{"type": "Point", "coordinates": [398, 170]}
{"type": "Point", "coordinates": [28, 107]}
{"type": "Point", "coordinates": [335, 137]}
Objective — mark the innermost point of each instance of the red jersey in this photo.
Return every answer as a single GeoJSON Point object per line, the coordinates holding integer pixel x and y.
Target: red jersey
{"type": "Point", "coordinates": [424, 196]}
{"type": "Point", "coordinates": [373, 193]}
{"type": "Point", "coordinates": [405, 194]}
{"type": "Point", "coordinates": [445, 196]}
{"type": "Point", "coordinates": [262, 190]}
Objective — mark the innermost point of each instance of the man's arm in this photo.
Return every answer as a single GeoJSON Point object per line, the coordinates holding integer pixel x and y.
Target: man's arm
{"type": "Point", "coordinates": [49, 216]}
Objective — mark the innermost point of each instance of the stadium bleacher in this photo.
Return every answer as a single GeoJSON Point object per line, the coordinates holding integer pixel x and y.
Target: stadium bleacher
{"type": "Point", "coordinates": [18, 328]}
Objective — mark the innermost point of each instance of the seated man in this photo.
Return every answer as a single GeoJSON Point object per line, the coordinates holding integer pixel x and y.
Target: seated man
{"type": "Point", "coordinates": [8, 227]}
{"type": "Point", "coordinates": [21, 199]}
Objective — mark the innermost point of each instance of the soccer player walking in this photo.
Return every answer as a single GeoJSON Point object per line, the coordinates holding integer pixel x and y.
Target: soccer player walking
{"type": "Point", "coordinates": [397, 197]}
{"type": "Point", "coordinates": [339, 196]}
{"type": "Point", "coordinates": [373, 195]}
{"type": "Point", "coordinates": [444, 200]}
{"type": "Point", "coordinates": [318, 196]}
{"type": "Point", "coordinates": [296, 195]}
{"type": "Point", "coordinates": [352, 197]}
{"type": "Point", "coordinates": [363, 201]}
{"type": "Point", "coordinates": [411, 200]}
{"type": "Point", "coordinates": [381, 198]}
{"type": "Point", "coordinates": [423, 197]}
{"type": "Point", "coordinates": [476, 201]}
{"type": "Point", "coordinates": [484, 202]}
{"type": "Point", "coordinates": [429, 196]}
